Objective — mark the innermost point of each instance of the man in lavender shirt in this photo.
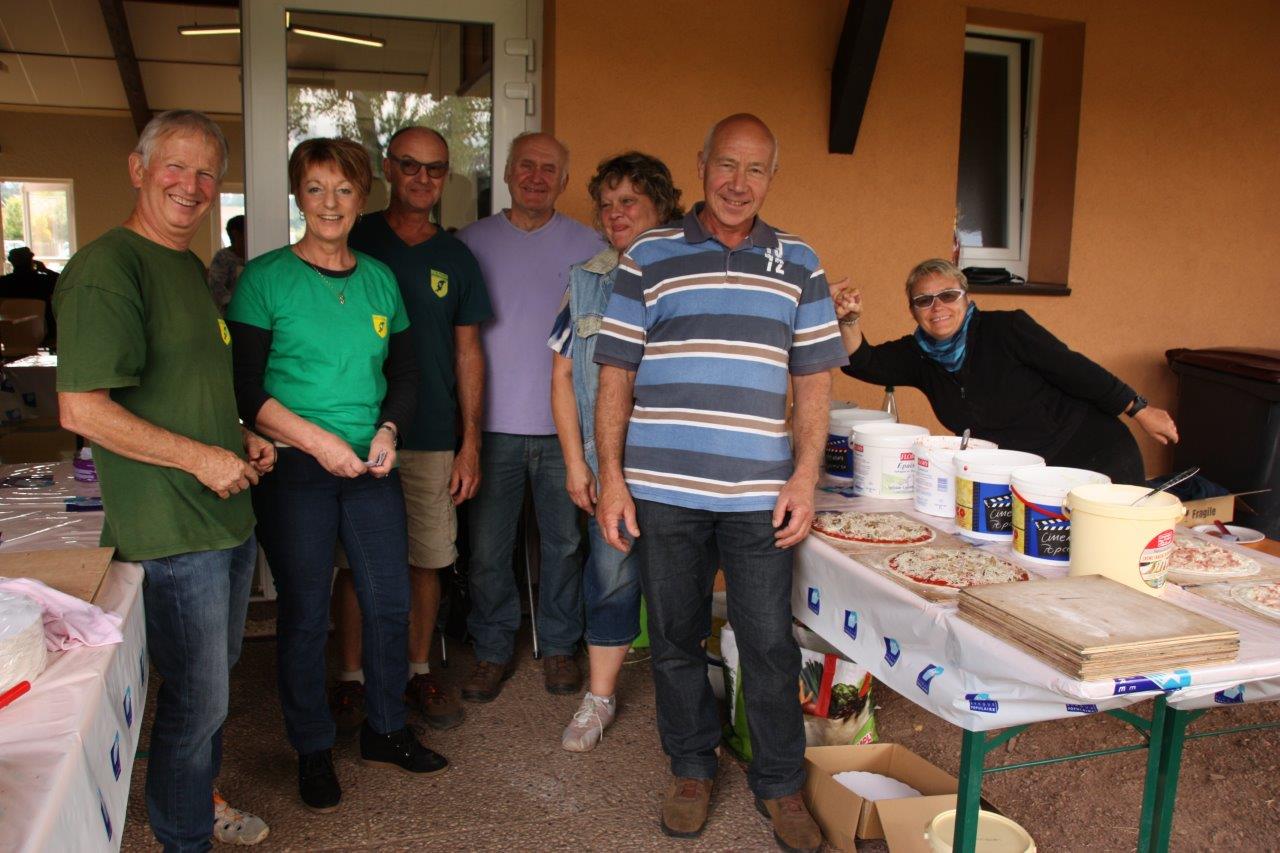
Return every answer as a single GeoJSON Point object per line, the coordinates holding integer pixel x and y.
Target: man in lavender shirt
{"type": "Point", "coordinates": [525, 253]}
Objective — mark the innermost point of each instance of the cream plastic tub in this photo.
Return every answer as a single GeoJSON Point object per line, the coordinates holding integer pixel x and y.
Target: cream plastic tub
{"type": "Point", "coordinates": [996, 834]}
{"type": "Point", "coordinates": [1129, 544]}
{"type": "Point", "coordinates": [884, 466]}
{"type": "Point", "coordinates": [935, 486]}
{"type": "Point", "coordinates": [984, 505]}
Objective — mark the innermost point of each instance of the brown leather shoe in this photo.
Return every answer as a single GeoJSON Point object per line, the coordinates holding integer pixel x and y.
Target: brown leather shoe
{"type": "Point", "coordinates": [486, 679]}
{"type": "Point", "coordinates": [684, 811]}
{"type": "Point", "coordinates": [437, 703]}
{"type": "Point", "coordinates": [793, 827]}
{"type": "Point", "coordinates": [561, 675]}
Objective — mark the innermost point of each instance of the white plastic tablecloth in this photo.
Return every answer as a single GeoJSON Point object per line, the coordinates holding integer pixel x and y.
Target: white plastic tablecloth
{"type": "Point", "coordinates": [925, 652]}
{"type": "Point", "coordinates": [67, 746]}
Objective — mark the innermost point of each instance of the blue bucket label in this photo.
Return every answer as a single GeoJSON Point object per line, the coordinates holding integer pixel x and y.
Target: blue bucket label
{"type": "Point", "coordinates": [851, 624]}
{"type": "Point", "coordinates": [814, 599]}
{"type": "Point", "coordinates": [1230, 696]}
{"type": "Point", "coordinates": [927, 675]}
{"type": "Point", "coordinates": [1082, 709]}
{"type": "Point", "coordinates": [838, 458]}
{"type": "Point", "coordinates": [892, 651]}
{"type": "Point", "coordinates": [982, 703]}
{"type": "Point", "coordinates": [984, 507]}
{"type": "Point", "coordinates": [1163, 681]}
{"type": "Point", "coordinates": [1041, 531]}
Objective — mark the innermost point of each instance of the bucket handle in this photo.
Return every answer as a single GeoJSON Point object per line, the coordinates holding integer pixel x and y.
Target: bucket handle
{"type": "Point", "coordinates": [1043, 510]}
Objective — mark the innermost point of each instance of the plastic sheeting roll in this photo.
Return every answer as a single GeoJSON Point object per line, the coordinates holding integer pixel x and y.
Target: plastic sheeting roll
{"type": "Point", "coordinates": [22, 649]}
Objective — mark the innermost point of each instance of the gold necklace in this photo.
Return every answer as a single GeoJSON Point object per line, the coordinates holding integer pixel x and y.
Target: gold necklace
{"type": "Point", "coordinates": [324, 279]}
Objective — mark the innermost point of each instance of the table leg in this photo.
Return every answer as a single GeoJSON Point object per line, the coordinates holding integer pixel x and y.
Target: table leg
{"type": "Point", "coordinates": [1175, 733]}
{"type": "Point", "coordinates": [973, 753]}
{"type": "Point", "coordinates": [1150, 786]}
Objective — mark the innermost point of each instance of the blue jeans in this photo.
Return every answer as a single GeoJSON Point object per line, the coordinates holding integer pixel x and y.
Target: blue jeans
{"type": "Point", "coordinates": [611, 590]}
{"type": "Point", "coordinates": [507, 460]}
{"type": "Point", "coordinates": [676, 550]}
{"type": "Point", "coordinates": [195, 605]}
{"type": "Point", "coordinates": [303, 511]}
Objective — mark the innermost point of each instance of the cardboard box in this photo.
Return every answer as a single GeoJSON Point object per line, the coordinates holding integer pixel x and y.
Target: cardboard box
{"type": "Point", "coordinates": [841, 813]}
{"type": "Point", "coordinates": [1221, 508]}
{"type": "Point", "coordinates": [906, 820]}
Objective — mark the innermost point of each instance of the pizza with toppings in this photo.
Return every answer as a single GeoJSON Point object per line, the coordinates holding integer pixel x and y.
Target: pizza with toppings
{"type": "Point", "coordinates": [1262, 597]}
{"type": "Point", "coordinates": [954, 568]}
{"type": "Point", "coordinates": [1192, 556]}
{"type": "Point", "coordinates": [876, 528]}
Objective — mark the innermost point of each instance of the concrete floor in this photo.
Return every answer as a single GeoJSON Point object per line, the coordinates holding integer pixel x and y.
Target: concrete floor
{"type": "Point", "coordinates": [512, 786]}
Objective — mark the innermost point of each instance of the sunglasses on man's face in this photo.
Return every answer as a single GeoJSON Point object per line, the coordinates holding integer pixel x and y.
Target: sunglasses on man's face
{"type": "Point", "coordinates": [410, 166]}
{"type": "Point", "coordinates": [946, 297]}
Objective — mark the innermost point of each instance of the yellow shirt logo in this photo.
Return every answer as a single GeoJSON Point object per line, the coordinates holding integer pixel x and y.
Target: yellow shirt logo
{"type": "Point", "coordinates": [439, 284]}
{"type": "Point", "coordinates": [380, 325]}
{"type": "Point", "coordinates": [226, 333]}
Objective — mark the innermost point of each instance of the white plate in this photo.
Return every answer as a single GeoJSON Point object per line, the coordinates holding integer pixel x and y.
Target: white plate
{"type": "Point", "coordinates": [1247, 534]}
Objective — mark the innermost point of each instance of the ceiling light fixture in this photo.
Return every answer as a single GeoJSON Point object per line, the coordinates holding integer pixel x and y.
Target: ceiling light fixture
{"type": "Point", "coordinates": [209, 30]}
{"type": "Point", "coordinates": [336, 35]}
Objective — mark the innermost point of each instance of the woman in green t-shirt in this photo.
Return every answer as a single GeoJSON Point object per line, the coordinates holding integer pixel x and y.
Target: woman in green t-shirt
{"type": "Point", "coordinates": [325, 368]}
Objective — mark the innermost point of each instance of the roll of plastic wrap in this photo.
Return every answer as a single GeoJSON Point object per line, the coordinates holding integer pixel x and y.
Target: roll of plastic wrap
{"type": "Point", "coordinates": [22, 649]}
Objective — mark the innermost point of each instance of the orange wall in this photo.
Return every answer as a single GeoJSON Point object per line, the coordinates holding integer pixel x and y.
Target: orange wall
{"type": "Point", "coordinates": [1174, 238]}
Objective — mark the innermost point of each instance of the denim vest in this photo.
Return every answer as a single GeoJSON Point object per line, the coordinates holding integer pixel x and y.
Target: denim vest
{"type": "Point", "coordinates": [590, 285]}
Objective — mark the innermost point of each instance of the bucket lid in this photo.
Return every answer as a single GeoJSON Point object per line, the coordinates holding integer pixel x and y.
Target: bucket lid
{"type": "Point", "coordinates": [1114, 499]}
{"type": "Point", "coordinates": [952, 442]}
{"type": "Point", "coordinates": [904, 434]}
{"type": "Point", "coordinates": [996, 833]}
{"type": "Point", "coordinates": [1055, 478]}
{"type": "Point", "coordinates": [846, 418]}
{"type": "Point", "coordinates": [995, 460]}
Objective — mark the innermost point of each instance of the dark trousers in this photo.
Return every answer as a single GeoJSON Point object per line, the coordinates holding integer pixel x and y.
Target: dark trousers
{"type": "Point", "coordinates": [303, 510]}
{"type": "Point", "coordinates": [676, 551]}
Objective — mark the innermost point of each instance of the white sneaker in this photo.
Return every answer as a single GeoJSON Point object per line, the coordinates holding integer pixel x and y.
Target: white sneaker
{"type": "Point", "coordinates": [585, 730]}
{"type": "Point", "coordinates": [232, 826]}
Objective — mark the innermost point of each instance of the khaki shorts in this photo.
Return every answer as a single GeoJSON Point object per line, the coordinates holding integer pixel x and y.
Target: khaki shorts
{"type": "Point", "coordinates": [430, 515]}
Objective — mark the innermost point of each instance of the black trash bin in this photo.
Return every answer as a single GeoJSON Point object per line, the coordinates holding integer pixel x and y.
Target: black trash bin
{"type": "Point", "coordinates": [1229, 424]}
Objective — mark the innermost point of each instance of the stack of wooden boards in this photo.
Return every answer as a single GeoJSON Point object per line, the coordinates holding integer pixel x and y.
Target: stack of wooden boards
{"type": "Point", "coordinates": [1092, 627]}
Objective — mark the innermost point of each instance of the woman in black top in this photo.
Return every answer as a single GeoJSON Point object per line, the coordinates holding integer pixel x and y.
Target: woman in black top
{"type": "Point", "coordinates": [1003, 376]}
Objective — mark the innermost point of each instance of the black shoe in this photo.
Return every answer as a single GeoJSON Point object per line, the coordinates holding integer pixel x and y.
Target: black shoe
{"type": "Point", "coordinates": [317, 783]}
{"type": "Point", "coordinates": [399, 750]}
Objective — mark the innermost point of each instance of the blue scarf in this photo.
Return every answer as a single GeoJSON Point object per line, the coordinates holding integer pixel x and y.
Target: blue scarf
{"type": "Point", "coordinates": [948, 353]}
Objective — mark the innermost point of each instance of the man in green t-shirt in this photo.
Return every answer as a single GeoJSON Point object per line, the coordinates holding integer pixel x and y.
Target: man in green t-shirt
{"type": "Point", "coordinates": [144, 372]}
{"type": "Point", "coordinates": [445, 296]}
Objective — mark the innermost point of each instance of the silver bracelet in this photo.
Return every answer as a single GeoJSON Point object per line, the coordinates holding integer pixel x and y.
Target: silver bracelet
{"type": "Point", "coordinates": [848, 322]}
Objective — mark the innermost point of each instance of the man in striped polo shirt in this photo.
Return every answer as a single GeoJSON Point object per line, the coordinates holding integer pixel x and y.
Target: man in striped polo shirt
{"type": "Point", "coordinates": [707, 322]}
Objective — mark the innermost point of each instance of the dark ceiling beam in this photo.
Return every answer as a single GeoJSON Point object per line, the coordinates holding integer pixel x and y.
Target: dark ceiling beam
{"type": "Point", "coordinates": [126, 61]}
{"type": "Point", "coordinates": [854, 68]}
{"type": "Point", "coordinates": [219, 4]}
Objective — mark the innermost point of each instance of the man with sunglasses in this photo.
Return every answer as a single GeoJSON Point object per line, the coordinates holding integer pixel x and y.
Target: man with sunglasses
{"type": "Point", "coordinates": [1003, 376]}
{"type": "Point", "coordinates": [445, 295]}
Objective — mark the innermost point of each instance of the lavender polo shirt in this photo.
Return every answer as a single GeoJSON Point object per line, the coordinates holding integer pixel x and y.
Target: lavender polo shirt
{"type": "Point", "coordinates": [526, 273]}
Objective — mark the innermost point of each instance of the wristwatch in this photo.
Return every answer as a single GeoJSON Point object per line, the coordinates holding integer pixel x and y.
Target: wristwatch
{"type": "Point", "coordinates": [1139, 403]}
{"type": "Point", "coordinates": [395, 432]}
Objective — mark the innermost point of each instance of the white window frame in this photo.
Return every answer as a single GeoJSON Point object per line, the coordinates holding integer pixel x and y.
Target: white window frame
{"type": "Point", "coordinates": [1022, 157]}
{"type": "Point", "coordinates": [215, 214]}
{"type": "Point", "coordinates": [29, 184]}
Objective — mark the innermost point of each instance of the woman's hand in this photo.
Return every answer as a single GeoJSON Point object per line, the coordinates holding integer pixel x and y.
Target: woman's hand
{"type": "Point", "coordinates": [1158, 424]}
{"type": "Point", "coordinates": [261, 453]}
{"type": "Point", "coordinates": [581, 485]}
{"type": "Point", "coordinates": [848, 300]}
{"type": "Point", "coordinates": [384, 446]}
{"type": "Point", "coordinates": [337, 457]}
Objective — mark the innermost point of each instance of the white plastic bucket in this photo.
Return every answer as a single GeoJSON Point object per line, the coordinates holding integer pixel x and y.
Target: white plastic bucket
{"type": "Point", "coordinates": [1129, 544]}
{"type": "Point", "coordinates": [996, 834]}
{"type": "Point", "coordinates": [984, 506]}
{"type": "Point", "coordinates": [1041, 531]}
{"type": "Point", "coordinates": [935, 474]}
{"type": "Point", "coordinates": [839, 459]}
{"type": "Point", "coordinates": [884, 465]}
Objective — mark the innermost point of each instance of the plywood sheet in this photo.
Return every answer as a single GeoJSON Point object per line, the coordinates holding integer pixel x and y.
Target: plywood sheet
{"type": "Point", "coordinates": [75, 571]}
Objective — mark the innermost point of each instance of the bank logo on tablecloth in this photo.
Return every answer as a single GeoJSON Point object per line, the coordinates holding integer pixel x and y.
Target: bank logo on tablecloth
{"type": "Point", "coordinates": [1152, 681]}
{"type": "Point", "coordinates": [127, 703]}
{"type": "Point", "coordinates": [814, 599]}
{"type": "Point", "coordinates": [851, 623]}
{"type": "Point", "coordinates": [142, 669]}
{"type": "Point", "coordinates": [115, 756]}
{"type": "Point", "coordinates": [1230, 696]}
{"type": "Point", "coordinates": [1082, 709]}
{"type": "Point", "coordinates": [927, 675]}
{"type": "Point", "coordinates": [106, 815]}
{"type": "Point", "coordinates": [892, 651]}
{"type": "Point", "coordinates": [982, 703]}
{"type": "Point", "coordinates": [439, 283]}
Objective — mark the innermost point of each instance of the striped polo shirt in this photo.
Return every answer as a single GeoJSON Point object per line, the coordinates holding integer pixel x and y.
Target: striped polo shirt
{"type": "Point", "coordinates": [712, 335]}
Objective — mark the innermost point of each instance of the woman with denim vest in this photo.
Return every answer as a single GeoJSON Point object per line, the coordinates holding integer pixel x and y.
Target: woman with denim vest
{"type": "Point", "coordinates": [632, 193]}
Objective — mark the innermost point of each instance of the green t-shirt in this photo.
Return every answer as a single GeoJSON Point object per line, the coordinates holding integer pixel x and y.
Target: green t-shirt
{"type": "Point", "coordinates": [325, 363]}
{"type": "Point", "coordinates": [135, 317]}
{"type": "Point", "coordinates": [442, 287]}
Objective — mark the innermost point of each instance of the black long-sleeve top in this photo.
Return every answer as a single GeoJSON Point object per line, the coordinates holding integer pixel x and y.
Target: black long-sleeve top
{"type": "Point", "coordinates": [1019, 386]}
{"type": "Point", "coordinates": [252, 346]}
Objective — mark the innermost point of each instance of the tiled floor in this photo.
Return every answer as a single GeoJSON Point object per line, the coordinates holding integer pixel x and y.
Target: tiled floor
{"type": "Point", "coordinates": [512, 786]}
